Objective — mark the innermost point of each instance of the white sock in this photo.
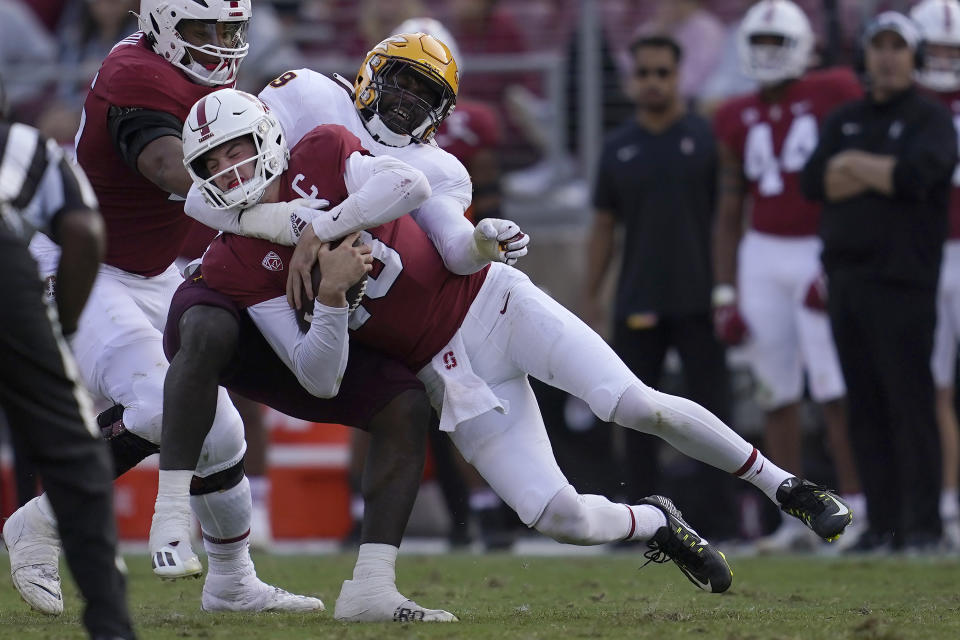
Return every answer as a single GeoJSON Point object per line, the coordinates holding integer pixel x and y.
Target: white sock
{"type": "Point", "coordinates": [587, 519]}
{"type": "Point", "coordinates": [949, 504]}
{"type": "Point", "coordinates": [377, 562]}
{"type": "Point", "coordinates": [762, 474]}
{"type": "Point", "coordinates": [647, 519]}
{"type": "Point", "coordinates": [260, 491]}
{"type": "Point", "coordinates": [225, 520]}
{"type": "Point", "coordinates": [173, 489]}
{"type": "Point", "coordinates": [46, 509]}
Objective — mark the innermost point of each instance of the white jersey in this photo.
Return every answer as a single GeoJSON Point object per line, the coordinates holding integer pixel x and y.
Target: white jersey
{"type": "Point", "coordinates": [304, 99]}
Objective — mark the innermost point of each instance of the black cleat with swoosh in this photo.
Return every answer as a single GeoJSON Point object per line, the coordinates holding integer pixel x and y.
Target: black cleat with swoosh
{"type": "Point", "coordinates": [816, 506]}
{"type": "Point", "coordinates": [704, 566]}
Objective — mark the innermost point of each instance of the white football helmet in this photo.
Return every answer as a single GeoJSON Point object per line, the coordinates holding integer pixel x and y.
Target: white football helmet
{"type": "Point", "coordinates": [225, 39]}
{"type": "Point", "coordinates": [220, 117]}
{"type": "Point", "coordinates": [770, 63]}
{"type": "Point", "coordinates": [939, 22]}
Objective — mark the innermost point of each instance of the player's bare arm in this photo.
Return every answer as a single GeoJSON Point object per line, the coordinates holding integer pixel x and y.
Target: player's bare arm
{"type": "Point", "coordinates": [82, 240]}
{"type": "Point", "coordinates": [728, 228]}
{"type": "Point", "coordinates": [161, 162]}
{"type": "Point", "coordinates": [599, 257]}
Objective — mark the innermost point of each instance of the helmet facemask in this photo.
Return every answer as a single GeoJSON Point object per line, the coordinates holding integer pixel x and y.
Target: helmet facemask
{"type": "Point", "coordinates": [216, 61]}
{"type": "Point", "coordinates": [268, 162]}
{"type": "Point", "coordinates": [771, 57]}
{"type": "Point", "coordinates": [206, 40]}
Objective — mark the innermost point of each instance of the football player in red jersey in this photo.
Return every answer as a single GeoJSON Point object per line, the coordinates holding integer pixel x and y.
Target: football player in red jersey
{"type": "Point", "coordinates": [473, 339]}
{"type": "Point", "coordinates": [129, 145]}
{"type": "Point", "coordinates": [939, 21]}
{"type": "Point", "coordinates": [769, 294]}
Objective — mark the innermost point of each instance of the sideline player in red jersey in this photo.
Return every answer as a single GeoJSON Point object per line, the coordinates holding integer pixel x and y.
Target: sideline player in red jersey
{"type": "Point", "coordinates": [939, 21]}
{"type": "Point", "coordinates": [473, 339]}
{"type": "Point", "coordinates": [129, 145]}
{"type": "Point", "coordinates": [769, 293]}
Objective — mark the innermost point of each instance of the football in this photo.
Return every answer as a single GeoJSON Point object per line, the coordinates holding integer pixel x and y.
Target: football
{"type": "Point", "coordinates": [354, 294]}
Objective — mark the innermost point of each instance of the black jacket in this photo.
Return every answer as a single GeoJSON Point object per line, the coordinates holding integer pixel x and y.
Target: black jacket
{"type": "Point", "coordinates": [896, 238]}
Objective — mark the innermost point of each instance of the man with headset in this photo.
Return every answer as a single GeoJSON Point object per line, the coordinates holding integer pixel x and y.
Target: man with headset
{"type": "Point", "coordinates": [882, 169]}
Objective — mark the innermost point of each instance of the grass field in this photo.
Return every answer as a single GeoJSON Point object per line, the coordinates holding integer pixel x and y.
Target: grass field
{"type": "Point", "coordinates": [595, 597]}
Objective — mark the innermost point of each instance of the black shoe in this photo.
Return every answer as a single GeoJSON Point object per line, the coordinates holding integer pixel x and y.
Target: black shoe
{"type": "Point", "coordinates": [816, 506]}
{"type": "Point", "coordinates": [703, 565]}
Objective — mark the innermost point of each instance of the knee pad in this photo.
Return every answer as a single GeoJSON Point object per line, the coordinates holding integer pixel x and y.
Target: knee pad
{"type": "Point", "coordinates": [224, 445]}
{"type": "Point", "coordinates": [127, 449]}
{"type": "Point", "coordinates": [220, 481]}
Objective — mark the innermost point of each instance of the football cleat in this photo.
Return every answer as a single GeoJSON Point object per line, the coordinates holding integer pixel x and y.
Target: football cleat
{"type": "Point", "coordinates": [703, 565]}
{"type": "Point", "coordinates": [34, 549]}
{"type": "Point", "coordinates": [249, 593]}
{"type": "Point", "coordinates": [359, 601]}
{"type": "Point", "coordinates": [171, 556]}
{"type": "Point", "coordinates": [791, 535]}
{"type": "Point", "coordinates": [817, 507]}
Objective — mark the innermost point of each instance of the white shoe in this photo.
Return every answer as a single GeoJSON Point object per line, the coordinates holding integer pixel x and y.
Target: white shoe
{"type": "Point", "coordinates": [249, 593]}
{"type": "Point", "coordinates": [171, 555]}
{"type": "Point", "coordinates": [34, 550]}
{"type": "Point", "coordinates": [360, 601]}
{"type": "Point", "coordinates": [261, 534]}
{"type": "Point", "coordinates": [791, 535]}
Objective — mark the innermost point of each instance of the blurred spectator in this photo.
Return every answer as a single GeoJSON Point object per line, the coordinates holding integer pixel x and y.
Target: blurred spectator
{"type": "Point", "coordinates": [700, 34]}
{"type": "Point", "coordinates": [882, 168]}
{"type": "Point", "coordinates": [88, 30]}
{"type": "Point", "coordinates": [24, 45]}
{"type": "Point", "coordinates": [938, 20]}
{"type": "Point", "coordinates": [657, 178]}
{"type": "Point", "coordinates": [48, 12]}
{"type": "Point", "coordinates": [768, 280]}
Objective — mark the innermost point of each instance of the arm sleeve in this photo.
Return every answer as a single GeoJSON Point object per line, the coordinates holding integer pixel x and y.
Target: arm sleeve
{"type": "Point", "coordinates": [814, 172]}
{"type": "Point", "coordinates": [318, 357]}
{"type": "Point", "coordinates": [929, 158]}
{"type": "Point", "coordinates": [441, 218]}
{"type": "Point", "coordinates": [381, 189]}
{"type": "Point", "coordinates": [196, 207]}
{"type": "Point", "coordinates": [133, 128]}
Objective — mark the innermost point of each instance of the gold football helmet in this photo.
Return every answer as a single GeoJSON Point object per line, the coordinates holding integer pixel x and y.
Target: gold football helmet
{"type": "Point", "coordinates": [405, 88]}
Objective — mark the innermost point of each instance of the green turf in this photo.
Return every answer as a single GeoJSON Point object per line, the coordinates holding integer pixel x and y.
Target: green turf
{"type": "Point", "coordinates": [596, 597]}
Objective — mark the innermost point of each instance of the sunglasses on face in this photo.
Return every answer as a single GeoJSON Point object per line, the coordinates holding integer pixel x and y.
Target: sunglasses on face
{"type": "Point", "coordinates": [660, 72]}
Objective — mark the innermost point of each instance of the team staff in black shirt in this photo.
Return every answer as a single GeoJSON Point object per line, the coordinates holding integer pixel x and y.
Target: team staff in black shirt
{"type": "Point", "coordinates": [883, 168]}
{"type": "Point", "coordinates": [657, 180]}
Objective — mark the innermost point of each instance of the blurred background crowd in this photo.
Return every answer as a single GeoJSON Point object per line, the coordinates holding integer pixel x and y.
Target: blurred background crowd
{"type": "Point", "coordinates": [543, 83]}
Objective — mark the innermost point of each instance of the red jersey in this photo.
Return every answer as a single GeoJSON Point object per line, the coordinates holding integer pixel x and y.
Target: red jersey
{"type": "Point", "coordinates": [413, 305]}
{"type": "Point", "coordinates": [145, 228]}
{"type": "Point", "coordinates": [952, 100]}
{"type": "Point", "coordinates": [773, 141]}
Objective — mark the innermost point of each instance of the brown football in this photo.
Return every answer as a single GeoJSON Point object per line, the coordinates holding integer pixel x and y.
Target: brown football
{"type": "Point", "coordinates": [353, 295]}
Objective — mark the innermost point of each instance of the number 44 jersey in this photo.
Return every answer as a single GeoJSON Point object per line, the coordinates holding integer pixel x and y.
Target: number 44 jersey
{"type": "Point", "coordinates": [773, 140]}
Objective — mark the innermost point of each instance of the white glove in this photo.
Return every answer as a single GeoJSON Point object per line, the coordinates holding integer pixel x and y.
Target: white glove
{"type": "Point", "coordinates": [500, 240]}
{"type": "Point", "coordinates": [280, 222]}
